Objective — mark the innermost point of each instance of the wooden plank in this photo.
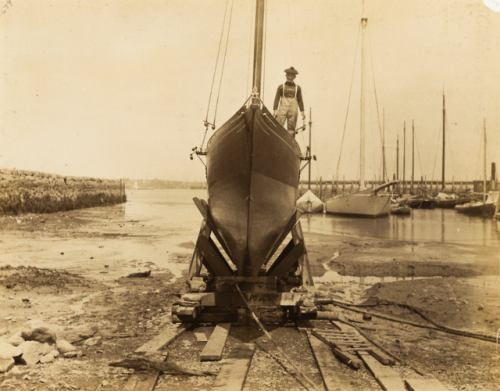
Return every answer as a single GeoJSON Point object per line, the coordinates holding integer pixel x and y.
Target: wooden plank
{"type": "Point", "coordinates": [387, 377]}
{"type": "Point", "coordinates": [425, 385]}
{"type": "Point", "coordinates": [234, 371]}
{"type": "Point", "coordinates": [163, 339]}
{"type": "Point", "coordinates": [215, 345]}
{"type": "Point", "coordinates": [200, 337]}
{"type": "Point", "coordinates": [346, 358]}
{"type": "Point", "coordinates": [330, 368]}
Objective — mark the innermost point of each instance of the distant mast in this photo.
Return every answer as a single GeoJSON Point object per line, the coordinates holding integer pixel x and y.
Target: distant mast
{"type": "Point", "coordinates": [258, 49]}
{"type": "Point", "coordinates": [444, 137]}
{"type": "Point", "coordinates": [364, 22]}
{"type": "Point", "coordinates": [484, 179]}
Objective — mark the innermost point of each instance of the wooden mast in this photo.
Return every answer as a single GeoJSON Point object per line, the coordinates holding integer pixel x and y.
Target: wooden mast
{"type": "Point", "coordinates": [383, 145]}
{"type": "Point", "coordinates": [364, 22]}
{"type": "Point", "coordinates": [258, 49]}
{"type": "Point", "coordinates": [310, 152]}
{"type": "Point", "coordinates": [412, 153]}
{"type": "Point", "coordinates": [404, 156]}
{"type": "Point", "coordinates": [444, 137]}
{"type": "Point", "coordinates": [484, 159]}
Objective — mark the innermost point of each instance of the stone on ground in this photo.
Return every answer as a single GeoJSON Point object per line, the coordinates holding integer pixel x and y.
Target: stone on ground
{"type": "Point", "coordinates": [6, 363]}
{"type": "Point", "coordinates": [8, 350]}
{"type": "Point", "coordinates": [32, 350]}
{"type": "Point", "coordinates": [37, 330]}
{"type": "Point", "coordinates": [64, 346]}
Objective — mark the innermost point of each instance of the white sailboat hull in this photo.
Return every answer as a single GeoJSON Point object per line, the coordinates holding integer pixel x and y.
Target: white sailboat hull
{"type": "Point", "coordinates": [360, 204]}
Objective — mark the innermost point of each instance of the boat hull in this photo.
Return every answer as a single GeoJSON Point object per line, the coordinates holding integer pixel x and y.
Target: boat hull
{"type": "Point", "coordinates": [476, 208]}
{"type": "Point", "coordinates": [253, 175]}
{"type": "Point", "coordinates": [359, 205]}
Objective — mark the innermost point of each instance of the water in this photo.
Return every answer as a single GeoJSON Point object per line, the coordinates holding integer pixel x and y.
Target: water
{"type": "Point", "coordinates": [423, 225]}
{"type": "Point", "coordinates": [175, 206]}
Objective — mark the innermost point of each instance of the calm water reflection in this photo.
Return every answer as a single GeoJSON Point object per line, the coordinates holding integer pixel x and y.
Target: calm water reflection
{"type": "Point", "coordinates": [176, 206]}
{"type": "Point", "coordinates": [433, 225]}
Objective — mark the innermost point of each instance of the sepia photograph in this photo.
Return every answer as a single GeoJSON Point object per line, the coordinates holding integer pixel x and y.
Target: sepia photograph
{"type": "Point", "coordinates": [252, 195]}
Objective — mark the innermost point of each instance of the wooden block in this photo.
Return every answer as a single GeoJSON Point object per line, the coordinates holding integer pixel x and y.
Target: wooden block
{"type": "Point", "coordinates": [425, 385]}
{"type": "Point", "coordinates": [163, 339]}
{"type": "Point", "coordinates": [235, 368]}
{"type": "Point", "coordinates": [330, 368]}
{"type": "Point", "coordinates": [380, 356]}
{"type": "Point", "coordinates": [215, 345]}
{"type": "Point", "coordinates": [201, 337]}
{"type": "Point", "coordinates": [387, 377]}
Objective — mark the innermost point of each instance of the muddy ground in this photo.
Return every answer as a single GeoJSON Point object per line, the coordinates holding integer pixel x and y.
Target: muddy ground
{"type": "Point", "coordinates": [70, 269]}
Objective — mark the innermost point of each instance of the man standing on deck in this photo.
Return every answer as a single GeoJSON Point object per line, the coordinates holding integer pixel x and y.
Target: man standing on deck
{"type": "Point", "coordinates": [290, 95]}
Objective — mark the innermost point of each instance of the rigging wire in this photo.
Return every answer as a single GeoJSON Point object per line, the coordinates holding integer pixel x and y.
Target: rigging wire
{"type": "Point", "coordinates": [348, 101]}
{"type": "Point", "coordinates": [213, 79]}
{"type": "Point", "coordinates": [224, 61]}
{"type": "Point", "coordinates": [217, 60]}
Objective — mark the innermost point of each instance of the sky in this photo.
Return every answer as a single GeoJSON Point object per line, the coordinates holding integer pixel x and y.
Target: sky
{"type": "Point", "coordinates": [120, 88]}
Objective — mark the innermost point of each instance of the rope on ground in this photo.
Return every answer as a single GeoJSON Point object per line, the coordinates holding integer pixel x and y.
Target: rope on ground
{"type": "Point", "coordinates": [437, 328]}
{"type": "Point", "coordinates": [314, 386]}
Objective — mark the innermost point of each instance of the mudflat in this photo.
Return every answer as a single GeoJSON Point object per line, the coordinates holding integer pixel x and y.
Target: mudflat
{"type": "Point", "coordinates": [71, 270]}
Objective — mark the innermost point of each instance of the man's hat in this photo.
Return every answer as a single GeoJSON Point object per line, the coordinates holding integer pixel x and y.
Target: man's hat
{"type": "Point", "coordinates": [291, 70]}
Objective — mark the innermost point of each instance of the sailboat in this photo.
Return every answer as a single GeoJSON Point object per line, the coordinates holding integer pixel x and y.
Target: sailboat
{"type": "Point", "coordinates": [253, 167]}
{"type": "Point", "coordinates": [366, 202]}
{"type": "Point", "coordinates": [487, 205]}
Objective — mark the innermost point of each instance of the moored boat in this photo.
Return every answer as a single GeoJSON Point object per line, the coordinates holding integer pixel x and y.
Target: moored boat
{"type": "Point", "coordinates": [398, 209]}
{"type": "Point", "coordinates": [480, 208]}
{"type": "Point", "coordinates": [309, 203]}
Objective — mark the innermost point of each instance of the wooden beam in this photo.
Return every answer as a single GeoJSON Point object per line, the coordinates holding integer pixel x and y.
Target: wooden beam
{"type": "Point", "coordinates": [291, 223]}
{"type": "Point", "coordinates": [281, 267]}
{"type": "Point", "coordinates": [213, 259]}
{"type": "Point", "coordinates": [234, 371]}
{"type": "Point", "coordinates": [197, 259]}
{"type": "Point", "coordinates": [305, 269]}
{"type": "Point", "coordinates": [163, 339]}
{"type": "Point", "coordinates": [387, 377]}
{"type": "Point", "coordinates": [215, 345]}
{"type": "Point", "coordinates": [330, 368]}
{"type": "Point", "coordinates": [425, 385]}
{"type": "Point", "coordinates": [203, 208]}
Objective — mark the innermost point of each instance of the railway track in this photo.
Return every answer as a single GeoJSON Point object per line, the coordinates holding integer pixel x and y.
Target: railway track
{"type": "Point", "coordinates": [305, 355]}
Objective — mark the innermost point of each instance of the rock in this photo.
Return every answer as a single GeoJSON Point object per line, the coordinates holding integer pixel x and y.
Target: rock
{"type": "Point", "coordinates": [104, 383]}
{"type": "Point", "coordinates": [9, 350]}
{"type": "Point", "coordinates": [55, 353]}
{"type": "Point", "coordinates": [15, 340]}
{"type": "Point", "coordinates": [48, 358]}
{"type": "Point", "coordinates": [480, 308]}
{"type": "Point", "coordinates": [32, 350]}
{"type": "Point", "coordinates": [6, 364]}
{"type": "Point", "coordinates": [64, 346]}
{"type": "Point", "coordinates": [37, 330]}
{"type": "Point", "coordinates": [93, 341]}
